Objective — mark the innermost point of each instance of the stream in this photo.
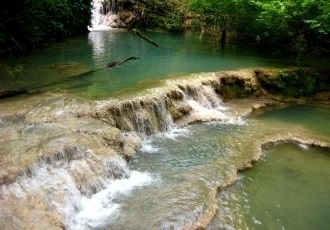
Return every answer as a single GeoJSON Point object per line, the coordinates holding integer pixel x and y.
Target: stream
{"type": "Point", "coordinates": [178, 55]}
{"type": "Point", "coordinates": [62, 145]}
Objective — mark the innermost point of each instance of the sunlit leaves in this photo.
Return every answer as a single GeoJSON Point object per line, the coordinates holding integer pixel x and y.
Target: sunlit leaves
{"type": "Point", "coordinates": [321, 23]}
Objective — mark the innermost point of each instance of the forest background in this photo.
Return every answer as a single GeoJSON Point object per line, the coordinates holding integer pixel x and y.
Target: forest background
{"type": "Point", "coordinates": [275, 27]}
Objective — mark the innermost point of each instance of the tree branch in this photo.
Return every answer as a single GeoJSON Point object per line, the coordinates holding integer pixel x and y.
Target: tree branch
{"type": "Point", "coordinates": [137, 32]}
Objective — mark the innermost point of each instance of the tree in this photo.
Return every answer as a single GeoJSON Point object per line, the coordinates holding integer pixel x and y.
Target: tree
{"type": "Point", "coordinates": [163, 15]}
{"type": "Point", "coordinates": [277, 26]}
{"type": "Point", "coordinates": [29, 23]}
{"type": "Point", "coordinates": [291, 23]}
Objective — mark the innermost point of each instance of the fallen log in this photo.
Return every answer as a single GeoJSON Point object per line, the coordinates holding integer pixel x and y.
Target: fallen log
{"type": "Point", "coordinates": [137, 32]}
{"type": "Point", "coordinates": [12, 93]}
{"type": "Point", "coordinates": [108, 65]}
{"type": "Point", "coordinates": [116, 63]}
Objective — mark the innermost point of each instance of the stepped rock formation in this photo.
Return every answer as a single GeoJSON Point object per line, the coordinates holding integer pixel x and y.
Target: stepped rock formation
{"type": "Point", "coordinates": [83, 143]}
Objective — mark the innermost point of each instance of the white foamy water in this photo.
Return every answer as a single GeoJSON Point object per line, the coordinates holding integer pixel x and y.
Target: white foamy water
{"type": "Point", "coordinates": [149, 146]}
{"type": "Point", "coordinates": [204, 113]}
{"type": "Point", "coordinates": [101, 209]}
{"type": "Point", "coordinates": [176, 132]}
{"type": "Point", "coordinates": [82, 191]}
{"type": "Point", "coordinates": [97, 22]}
{"type": "Point", "coordinates": [99, 28]}
{"type": "Point", "coordinates": [229, 121]}
{"type": "Point", "coordinates": [304, 147]}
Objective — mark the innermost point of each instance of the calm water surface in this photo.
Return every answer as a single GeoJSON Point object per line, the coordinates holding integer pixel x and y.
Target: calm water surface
{"type": "Point", "coordinates": [60, 63]}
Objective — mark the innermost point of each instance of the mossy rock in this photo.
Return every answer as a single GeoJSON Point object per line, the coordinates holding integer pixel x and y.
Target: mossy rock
{"type": "Point", "coordinates": [293, 82]}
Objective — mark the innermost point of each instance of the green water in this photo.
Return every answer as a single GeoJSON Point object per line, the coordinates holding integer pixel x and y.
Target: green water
{"type": "Point", "coordinates": [287, 189]}
{"type": "Point", "coordinates": [178, 54]}
{"type": "Point", "coordinates": [189, 164]}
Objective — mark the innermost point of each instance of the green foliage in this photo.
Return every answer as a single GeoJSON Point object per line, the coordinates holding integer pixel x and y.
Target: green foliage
{"type": "Point", "coordinates": [28, 23]}
{"type": "Point", "coordinates": [285, 22]}
{"type": "Point", "coordinates": [294, 83]}
{"type": "Point", "coordinates": [226, 14]}
{"type": "Point", "coordinates": [275, 26]}
{"type": "Point", "coordinates": [164, 15]}
{"type": "Point", "coordinates": [321, 23]}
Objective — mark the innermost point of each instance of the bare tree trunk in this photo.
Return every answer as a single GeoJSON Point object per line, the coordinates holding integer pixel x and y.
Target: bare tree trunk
{"type": "Point", "coordinates": [223, 37]}
{"type": "Point", "coordinates": [137, 32]}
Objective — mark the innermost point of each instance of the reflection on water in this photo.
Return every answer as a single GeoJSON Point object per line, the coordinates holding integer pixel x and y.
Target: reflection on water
{"type": "Point", "coordinates": [177, 54]}
{"type": "Point", "coordinates": [98, 44]}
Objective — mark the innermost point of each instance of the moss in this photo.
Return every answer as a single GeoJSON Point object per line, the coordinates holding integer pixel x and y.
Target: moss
{"type": "Point", "coordinates": [294, 83]}
{"type": "Point", "coordinates": [235, 86]}
{"type": "Point", "coordinates": [233, 91]}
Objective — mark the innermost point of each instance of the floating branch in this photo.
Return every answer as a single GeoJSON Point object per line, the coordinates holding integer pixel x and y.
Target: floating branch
{"type": "Point", "coordinates": [115, 63]}
{"type": "Point", "coordinates": [137, 32]}
{"type": "Point", "coordinates": [12, 93]}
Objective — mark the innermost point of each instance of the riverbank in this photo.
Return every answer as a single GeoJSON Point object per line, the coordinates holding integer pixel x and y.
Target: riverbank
{"type": "Point", "coordinates": [56, 131]}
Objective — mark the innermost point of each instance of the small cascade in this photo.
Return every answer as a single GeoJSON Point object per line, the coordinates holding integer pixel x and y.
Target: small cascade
{"type": "Point", "coordinates": [203, 99]}
{"type": "Point", "coordinates": [105, 16]}
{"type": "Point", "coordinates": [162, 111]}
{"type": "Point", "coordinates": [144, 116]}
{"type": "Point", "coordinates": [68, 187]}
{"type": "Point", "coordinates": [97, 22]}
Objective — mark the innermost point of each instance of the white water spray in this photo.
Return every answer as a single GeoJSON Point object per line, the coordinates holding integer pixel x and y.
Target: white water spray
{"type": "Point", "coordinates": [98, 18]}
{"type": "Point", "coordinates": [80, 189]}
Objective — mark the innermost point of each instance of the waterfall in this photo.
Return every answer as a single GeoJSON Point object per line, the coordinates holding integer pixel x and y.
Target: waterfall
{"type": "Point", "coordinates": [146, 116]}
{"type": "Point", "coordinates": [98, 16]}
{"type": "Point", "coordinates": [162, 111]}
{"type": "Point", "coordinates": [77, 188]}
{"type": "Point", "coordinates": [105, 17]}
{"type": "Point", "coordinates": [74, 188]}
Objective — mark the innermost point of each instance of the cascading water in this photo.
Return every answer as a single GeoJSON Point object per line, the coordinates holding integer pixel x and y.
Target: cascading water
{"type": "Point", "coordinates": [79, 189]}
{"type": "Point", "coordinates": [191, 101]}
{"type": "Point", "coordinates": [75, 186]}
{"type": "Point", "coordinates": [105, 17]}
{"type": "Point", "coordinates": [86, 186]}
{"type": "Point", "coordinates": [98, 16]}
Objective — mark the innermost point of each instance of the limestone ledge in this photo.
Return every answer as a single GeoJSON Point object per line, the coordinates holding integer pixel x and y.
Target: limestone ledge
{"type": "Point", "coordinates": [57, 129]}
{"type": "Point", "coordinates": [45, 124]}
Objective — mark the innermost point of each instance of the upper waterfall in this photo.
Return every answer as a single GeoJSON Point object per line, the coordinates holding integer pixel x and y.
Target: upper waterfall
{"type": "Point", "coordinates": [106, 15]}
{"type": "Point", "coordinates": [98, 18]}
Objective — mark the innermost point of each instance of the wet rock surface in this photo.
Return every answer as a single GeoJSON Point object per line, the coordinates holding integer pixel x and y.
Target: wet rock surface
{"type": "Point", "coordinates": [65, 132]}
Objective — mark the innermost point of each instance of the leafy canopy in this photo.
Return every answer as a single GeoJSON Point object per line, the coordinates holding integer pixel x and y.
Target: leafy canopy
{"type": "Point", "coordinates": [273, 23]}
